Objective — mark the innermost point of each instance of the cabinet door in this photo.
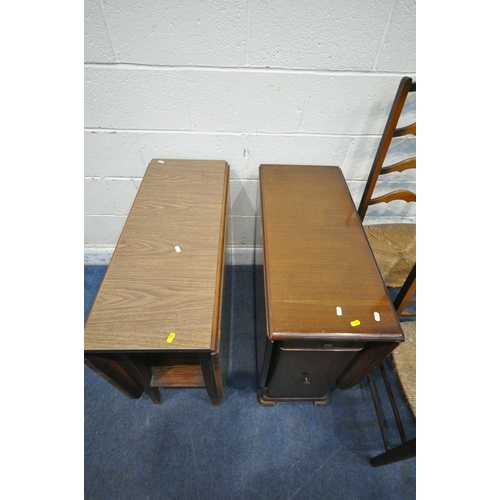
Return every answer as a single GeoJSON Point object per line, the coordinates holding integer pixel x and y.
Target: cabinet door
{"type": "Point", "coordinates": [307, 372]}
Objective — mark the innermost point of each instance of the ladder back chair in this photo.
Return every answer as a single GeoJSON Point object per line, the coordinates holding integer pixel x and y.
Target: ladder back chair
{"type": "Point", "coordinates": [404, 359]}
{"type": "Point", "coordinates": [394, 244]}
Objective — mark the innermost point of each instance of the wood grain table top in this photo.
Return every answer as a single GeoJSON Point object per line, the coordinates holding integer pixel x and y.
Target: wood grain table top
{"type": "Point", "coordinates": [317, 259]}
{"type": "Point", "coordinates": [153, 289]}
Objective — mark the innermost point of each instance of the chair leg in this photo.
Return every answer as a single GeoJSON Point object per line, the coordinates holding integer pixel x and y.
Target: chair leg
{"type": "Point", "coordinates": [402, 452]}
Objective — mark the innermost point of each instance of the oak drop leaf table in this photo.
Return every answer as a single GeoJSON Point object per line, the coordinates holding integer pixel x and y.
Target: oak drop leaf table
{"type": "Point", "coordinates": [330, 320]}
{"type": "Point", "coordinates": [159, 318]}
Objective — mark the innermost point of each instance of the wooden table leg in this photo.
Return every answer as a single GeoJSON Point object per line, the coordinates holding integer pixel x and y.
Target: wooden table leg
{"type": "Point", "coordinates": [140, 373]}
{"type": "Point", "coordinates": [268, 350]}
{"type": "Point", "coordinates": [210, 367]}
{"type": "Point", "coordinates": [371, 356]}
{"type": "Point", "coordinates": [107, 366]}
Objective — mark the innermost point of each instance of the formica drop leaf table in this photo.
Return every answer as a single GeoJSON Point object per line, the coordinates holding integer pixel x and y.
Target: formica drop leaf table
{"type": "Point", "coordinates": [159, 318]}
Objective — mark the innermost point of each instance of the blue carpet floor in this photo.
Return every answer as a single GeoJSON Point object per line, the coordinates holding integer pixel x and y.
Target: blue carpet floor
{"type": "Point", "coordinates": [186, 448]}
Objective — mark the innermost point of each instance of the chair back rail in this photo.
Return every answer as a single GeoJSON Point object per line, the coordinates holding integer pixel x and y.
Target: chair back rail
{"type": "Point", "coordinates": [390, 131]}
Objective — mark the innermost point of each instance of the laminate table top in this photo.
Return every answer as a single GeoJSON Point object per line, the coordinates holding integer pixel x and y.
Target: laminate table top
{"type": "Point", "coordinates": [321, 279]}
{"type": "Point", "coordinates": [164, 275]}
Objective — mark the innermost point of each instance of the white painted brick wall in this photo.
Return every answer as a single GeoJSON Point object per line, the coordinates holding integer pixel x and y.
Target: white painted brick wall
{"type": "Point", "coordinates": [176, 32]}
{"type": "Point", "coordinates": [320, 35]}
{"type": "Point", "coordinates": [249, 82]}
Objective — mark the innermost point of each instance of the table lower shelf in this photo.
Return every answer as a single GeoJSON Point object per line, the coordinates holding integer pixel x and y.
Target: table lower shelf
{"type": "Point", "coordinates": [135, 373]}
{"type": "Point", "coordinates": [177, 376]}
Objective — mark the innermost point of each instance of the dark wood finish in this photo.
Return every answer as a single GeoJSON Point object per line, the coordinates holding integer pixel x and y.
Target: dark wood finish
{"type": "Point", "coordinates": [151, 289]}
{"type": "Point", "coordinates": [211, 375]}
{"type": "Point", "coordinates": [181, 375]}
{"type": "Point", "coordinates": [408, 130]}
{"type": "Point", "coordinates": [317, 258]}
{"type": "Point", "coordinates": [372, 355]}
{"type": "Point", "coordinates": [266, 361]}
{"type": "Point", "coordinates": [175, 370]}
{"type": "Point", "coordinates": [107, 366]}
{"type": "Point", "coordinates": [306, 374]}
{"type": "Point", "coordinates": [404, 296]}
{"type": "Point", "coordinates": [390, 131]}
{"type": "Point", "coordinates": [140, 372]}
{"type": "Point", "coordinates": [265, 400]}
{"type": "Point", "coordinates": [407, 449]}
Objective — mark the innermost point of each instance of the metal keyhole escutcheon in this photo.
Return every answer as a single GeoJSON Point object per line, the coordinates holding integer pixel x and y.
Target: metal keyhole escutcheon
{"type": "Point", "coordinates": [306, 382]}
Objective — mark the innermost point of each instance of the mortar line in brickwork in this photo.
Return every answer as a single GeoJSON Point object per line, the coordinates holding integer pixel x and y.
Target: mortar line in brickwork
{"type": "Point", "coordinates": [95, 130]}
{"type": "Point", "coordinates": [121, 216]}
{"type": "Point", "coordinates": [246, 69]}
{"type": "Point", "coordinates": [111, 178]}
